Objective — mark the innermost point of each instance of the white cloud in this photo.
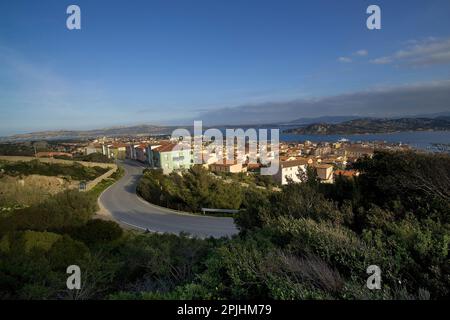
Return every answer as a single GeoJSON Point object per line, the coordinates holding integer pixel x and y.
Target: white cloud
{"type": "Point", "coordinates": [383, 60]}
{"type": "Point", "coordinates": [345, 59]}
{"type": "Point", "coordinates": [425, 52]}
{"type": "Point", "coordinates": [361, 53]}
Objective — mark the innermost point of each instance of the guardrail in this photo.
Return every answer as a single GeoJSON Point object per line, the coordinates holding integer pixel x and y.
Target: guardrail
{"type": "Point", "coordinates": [204, 210]}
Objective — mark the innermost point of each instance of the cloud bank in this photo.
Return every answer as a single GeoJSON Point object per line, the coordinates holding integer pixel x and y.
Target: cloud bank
{"type": "Point", "coordinates": [431, 97]}
{"type": "Point", "coordinates": [425, 52]}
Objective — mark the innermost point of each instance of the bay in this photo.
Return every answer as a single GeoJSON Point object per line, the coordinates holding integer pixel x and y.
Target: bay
{"type": "Point", "coordinates": [424, 140]}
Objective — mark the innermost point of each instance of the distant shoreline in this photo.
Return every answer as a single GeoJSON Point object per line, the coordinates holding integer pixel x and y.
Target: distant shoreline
{"type": "Point", "coordinates": [423, 140]}
{"type": "Point", "coordinates": [364, 133]}
{"type": "Point", "coordinates": [375, 126]}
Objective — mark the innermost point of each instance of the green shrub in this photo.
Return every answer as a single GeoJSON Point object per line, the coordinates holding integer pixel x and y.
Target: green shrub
{"type": "Point", "coordinates": [68, 208]}
{"type": "Point", "coordinates": [191, 191]}
{"type": "Point", "coordinates": [96, 232]}
{"type": "Point", "coordinates": [75, 171]}
{"type": "Point", "coordinates": [28, 240]}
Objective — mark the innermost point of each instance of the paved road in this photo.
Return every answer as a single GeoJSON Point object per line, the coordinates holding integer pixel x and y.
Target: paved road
{"type": "Point", "coordinates": [126, 207]}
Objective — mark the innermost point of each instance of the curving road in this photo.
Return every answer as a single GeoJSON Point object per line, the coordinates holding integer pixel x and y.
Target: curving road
{"type": "Point", "coordinates": [121, 201]}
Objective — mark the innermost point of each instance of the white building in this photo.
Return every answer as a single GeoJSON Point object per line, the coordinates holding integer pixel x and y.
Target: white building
{"type": "Point", "coordinates": [325, 173]}
{"type": "Point", "coordinates": [289, 170]}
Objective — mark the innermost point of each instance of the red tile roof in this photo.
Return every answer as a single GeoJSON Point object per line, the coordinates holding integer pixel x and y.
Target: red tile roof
{"type": "Point", "coordinates": [323, 166]}
{"type": "Point", "coordinates": [166, 147]}
{"type": "Point", "coordinates": [293, 163]}
{"type": "Point", "coordinates": [347, 173]}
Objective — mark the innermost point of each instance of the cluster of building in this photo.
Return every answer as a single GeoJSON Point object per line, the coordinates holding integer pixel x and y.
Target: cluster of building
{"type": "Point", "coordinates": [328, 159]}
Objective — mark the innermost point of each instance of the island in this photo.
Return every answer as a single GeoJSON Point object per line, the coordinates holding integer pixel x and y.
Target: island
{"type": "Point", "coordinates": [373, 126]}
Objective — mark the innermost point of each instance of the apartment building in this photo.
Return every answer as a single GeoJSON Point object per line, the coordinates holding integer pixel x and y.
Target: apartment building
{"type": "Point", "coordinates": [131, 151]}
{"type": "Point", "coordinates": [168, 158]}
{"type": "Point", "coordinates": [141, 153]}
{"type": "Point", "coordinates": [115, 150]}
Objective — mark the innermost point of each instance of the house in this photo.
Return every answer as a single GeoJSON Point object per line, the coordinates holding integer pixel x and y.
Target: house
{"type": "Point", "coordinates": [169, 157]}
{"type": "Point", "coordinates": [289, 170]}
{"type": "Point", "coordinates": [105, 150]}
{"type": "Point", "coordinates": [322, 151]}
{"type": "Point", "coordinates": [227, 166]}
{"type": "Point", "coordinates": [254, 167]}
{"type": "Point", "coordinates": [141, 153]}
{"type": "Point", "coordinates": [287, 158]}
{"type": "Point", "coordinates": [308, 160]}
{"type": "Point", "coordinates": [119, 150]}
{"type": "Point", "coordinates": [131, 151]}
{"type": "Point", "coordinates": [337, 161]}
{"type": "Point", "coordinates": [325, 173]}
{"type": "Point", "coordinates": [114, 151]}
{"type": "Point", "coordinates": [92, 148]}
{"type": "Point", "coordinates": [355, 152]}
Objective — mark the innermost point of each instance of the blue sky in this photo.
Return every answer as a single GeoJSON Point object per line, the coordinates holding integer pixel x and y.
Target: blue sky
{"type": "Point", "coordinates": [169, 62]}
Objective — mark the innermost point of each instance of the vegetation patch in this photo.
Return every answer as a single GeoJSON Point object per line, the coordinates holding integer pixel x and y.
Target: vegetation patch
{"type": "Point", "coordinates": [20, 192]}
{"type": "Point", "coordinates": [193, 190]}
{"type": "Point", "coordinates": [93, 157]}
{"type": "Point", "coordinates": [74, 171]}
{"type": "Point", "coordinates": [309, 241]}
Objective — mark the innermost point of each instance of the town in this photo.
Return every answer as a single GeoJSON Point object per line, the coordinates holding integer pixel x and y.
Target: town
{"type": "Point", "coordinates": [329, 159]}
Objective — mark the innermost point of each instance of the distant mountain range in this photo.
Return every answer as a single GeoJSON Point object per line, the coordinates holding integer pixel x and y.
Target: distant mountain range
{"type": "Point", "coordinates": [139, 130]}
{"type": "Point", "coordinates": [374, 125]}
{"type": "Point", "coordinates": [324, 119]}
{"type": "Point", "coordinates": [321, 125]}
{"type": "Point", "coordinates": [340, 119]}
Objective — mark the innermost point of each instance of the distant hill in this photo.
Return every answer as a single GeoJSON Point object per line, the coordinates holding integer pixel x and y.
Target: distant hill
{"type": "Point", "coordinates": [324, 119]}
{"type": "Point", "coordinates": [374, 125]}
{"type": "Point", "coordinates": [321, 125]}
{"type": "Point", "coordinates": [80, 134]}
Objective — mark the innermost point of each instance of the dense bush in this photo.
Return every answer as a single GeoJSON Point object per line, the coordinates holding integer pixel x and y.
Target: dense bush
{"type": "Point", "coordinates": [68, 208]}
{"type": "Point", "coordinates": [93, 157]}
{"type": "Point", "coordinates": [409, 181]}
{"type": "Point", "coordinates": [191, 191]}
{"type": "Point", "coordinates": [395, 215]}
{"type": "Point", "coordinates": [33, 264]}
{"type": "Point", "coordinates": [12, 149]}
{"type": "Point", "coordinates": [95, 232]}
{"type": "Point", "coordinates": [154, 262]}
